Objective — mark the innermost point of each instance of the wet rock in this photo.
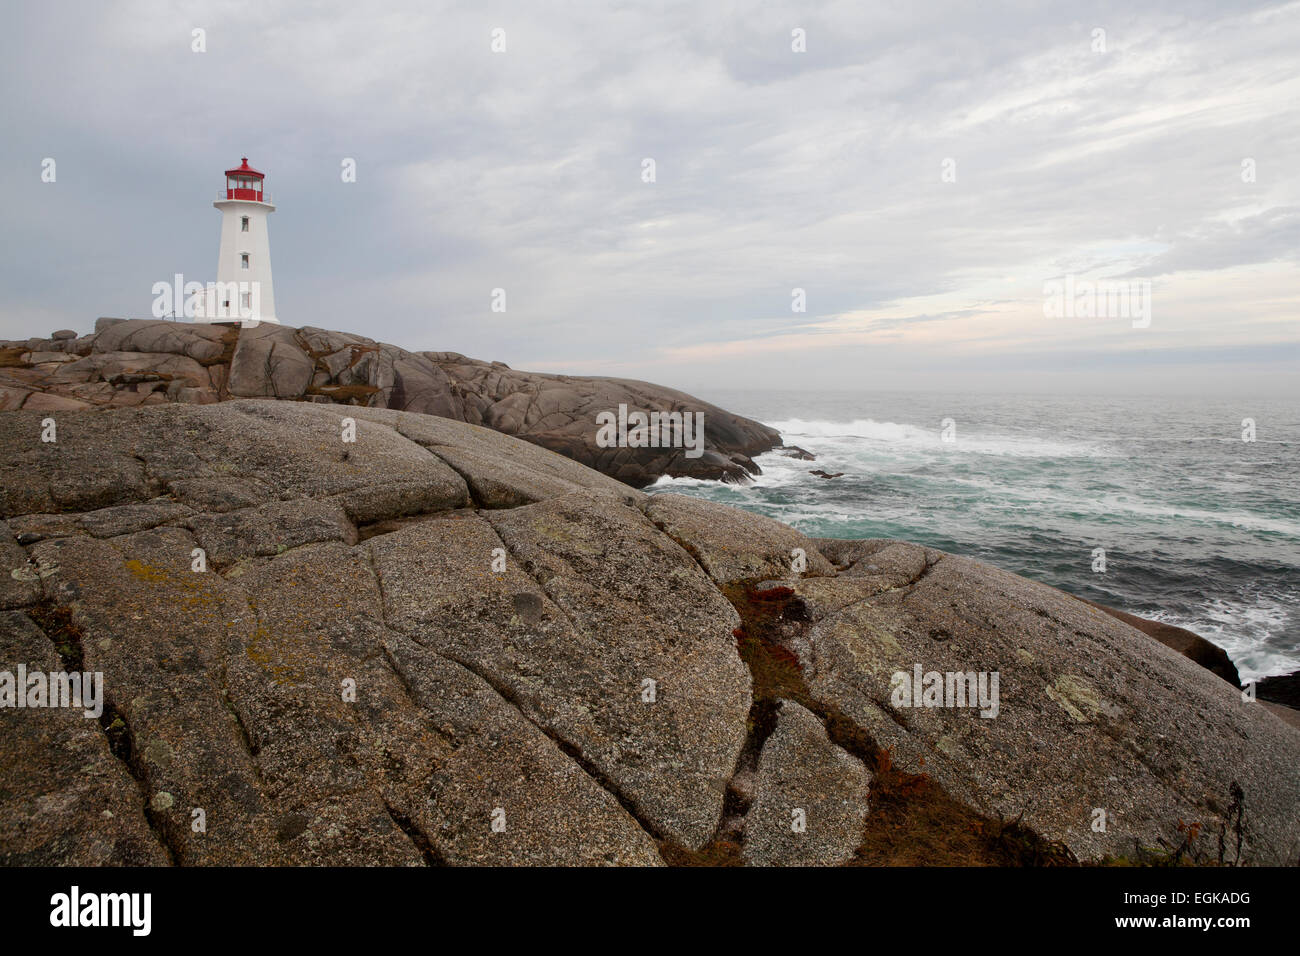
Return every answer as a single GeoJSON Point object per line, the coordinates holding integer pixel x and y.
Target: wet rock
{"type": "Point", "coordinates": [794, 451]}
{"type": "Point", "coordinates": [1283, 689]}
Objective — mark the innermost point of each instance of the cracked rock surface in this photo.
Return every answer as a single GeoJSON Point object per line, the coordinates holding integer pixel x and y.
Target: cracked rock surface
{"type": "Point", "coordinates": [438, 644]}
{"type": "Point", "coordinates": [811, 797]}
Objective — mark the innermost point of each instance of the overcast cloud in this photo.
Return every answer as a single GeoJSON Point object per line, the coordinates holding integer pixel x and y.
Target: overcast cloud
{"type": "Point", "coordinates": [774, 170]}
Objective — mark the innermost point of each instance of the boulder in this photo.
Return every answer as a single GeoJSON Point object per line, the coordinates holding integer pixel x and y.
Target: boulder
{"type": "Point", "coordinates": [269, 363]}
{"type": "Point", "coordinates": [202, 343]}
{"type": "Point", "coordinates": [123, 368]}
{"type": "Point", "coordinates": [1281, 689]}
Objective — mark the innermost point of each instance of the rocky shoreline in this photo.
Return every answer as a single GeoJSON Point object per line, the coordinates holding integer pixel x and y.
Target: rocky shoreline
{"type": "Point", "coordinates": [1210, 656]}
{"type": "Point", "coordinates": [436, 643]}
{"type": "Point", "coordinates": [128, 363]}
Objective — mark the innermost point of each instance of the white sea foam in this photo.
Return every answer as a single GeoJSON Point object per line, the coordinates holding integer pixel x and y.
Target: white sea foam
{"type": "Point", "coordinates": [779, 470]}
{"type": "Point", "coordinates": [1241, 629]}
{"type": "Point", "coordinates": [866, 431]}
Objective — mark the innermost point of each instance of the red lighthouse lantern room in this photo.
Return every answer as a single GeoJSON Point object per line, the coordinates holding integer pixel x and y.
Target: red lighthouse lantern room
{"type": "Point", "coordinates": [244, 182]}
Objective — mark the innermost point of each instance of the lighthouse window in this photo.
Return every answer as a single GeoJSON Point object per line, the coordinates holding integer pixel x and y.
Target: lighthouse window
{"type": "Point", "coordinates": [243, 261]}
{"type": "Point", "coordinates": [243, 224]}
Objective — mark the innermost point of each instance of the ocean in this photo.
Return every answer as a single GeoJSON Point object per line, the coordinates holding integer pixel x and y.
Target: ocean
{"type": "Point", "coordinates": [1200, 528]}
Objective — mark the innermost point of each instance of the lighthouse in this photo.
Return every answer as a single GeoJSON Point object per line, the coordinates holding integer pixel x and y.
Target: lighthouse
{"type": "Point", "coordinates": [243, 288]}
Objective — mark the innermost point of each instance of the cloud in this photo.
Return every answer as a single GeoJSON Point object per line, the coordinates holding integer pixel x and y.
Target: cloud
{"type": "Point", "coordinates": [775, 170]}
{"type": "Point", "coordinates": [1273, 234]}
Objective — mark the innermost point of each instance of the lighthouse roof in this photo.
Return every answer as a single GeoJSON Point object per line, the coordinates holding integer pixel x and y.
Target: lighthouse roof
{"type": "Point", "coordinates": [243, 169]}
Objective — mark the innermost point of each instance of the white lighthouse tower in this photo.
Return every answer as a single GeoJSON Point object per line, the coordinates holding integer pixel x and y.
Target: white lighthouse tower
{"type": "Point", "coordinates": [243, 289]}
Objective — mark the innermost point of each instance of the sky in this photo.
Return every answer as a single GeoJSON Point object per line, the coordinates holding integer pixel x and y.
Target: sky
{"type": "Point", "coordinates": [920, 171]}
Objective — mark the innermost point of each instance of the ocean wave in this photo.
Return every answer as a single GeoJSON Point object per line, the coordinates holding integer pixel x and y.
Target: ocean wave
{"type": "Point", "coordinates": [1243, 629]}
{"type": "Point", "coordinates": [1003, 495]}
{"type": "Point", "coordinates": [845, 434]}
